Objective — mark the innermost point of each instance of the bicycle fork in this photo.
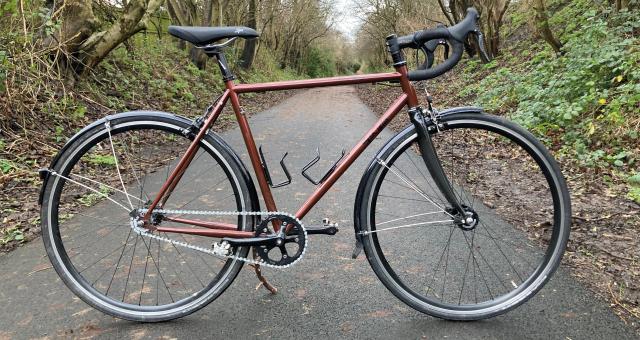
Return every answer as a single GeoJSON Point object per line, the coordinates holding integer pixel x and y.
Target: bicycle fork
{"type": "Point", "coordinates": [431, 160]}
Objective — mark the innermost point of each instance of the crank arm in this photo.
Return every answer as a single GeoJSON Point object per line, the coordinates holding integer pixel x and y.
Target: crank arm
{"type": "Point", "coordinates": [252, 241]}
{"type": "Point", "coordinates": [322, 231]}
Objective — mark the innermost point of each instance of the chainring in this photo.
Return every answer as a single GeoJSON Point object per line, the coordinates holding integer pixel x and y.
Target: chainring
{"type": "Point", "coordinates": [289, 249]}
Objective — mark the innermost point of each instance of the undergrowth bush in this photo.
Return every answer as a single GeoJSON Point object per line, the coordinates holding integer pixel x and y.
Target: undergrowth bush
{"type": "Point", "coordinates": [586, 101]}
{"type": "Point", "coordinates": [320, 63]}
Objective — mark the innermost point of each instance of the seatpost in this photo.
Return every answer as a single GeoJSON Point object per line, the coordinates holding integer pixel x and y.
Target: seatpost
{"type": "Point", "coordinates": [224, 67]}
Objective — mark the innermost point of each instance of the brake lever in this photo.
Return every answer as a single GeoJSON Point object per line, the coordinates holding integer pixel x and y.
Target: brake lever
{"type": "Point", "coordinates": [429, 48]}
{"type": "Point", "coordinates": [480, 39]}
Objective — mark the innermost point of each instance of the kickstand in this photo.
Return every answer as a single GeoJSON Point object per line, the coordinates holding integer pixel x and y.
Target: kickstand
{"type": "Point", "coordinates": [263, 280]}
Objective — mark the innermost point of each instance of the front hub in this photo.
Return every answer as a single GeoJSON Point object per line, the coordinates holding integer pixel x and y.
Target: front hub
{"type": "Point", "coordinates": [467, 222]}
{"type": "Point", "coordinates": [470, 220]}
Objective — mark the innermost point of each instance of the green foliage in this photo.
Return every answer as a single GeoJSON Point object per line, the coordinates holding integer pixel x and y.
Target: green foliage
{"type": "Point", "coordinates": [11, 234]}
{"type": "Point", "coordinates": [634, 187]}
{"type": "Point", "coordinates": [59, 133]}
{"type": "Point", "coordinates": [347, 66]}
{"type": "Point", "coordinates": [634, 194]}
{"type": "Point", "coordinates": [4, 66]}
{"type": "Point", "coordinates": [97, 159]}
{"type": "Point", "coordinates": [79, 112]}
{"type": "Point", "coordinates": [94, 197]}
{"type": "Point", "coordinates": [6, 166]}
{"type": "Point", "coordinates": [588, 98]}
{"type": "Point", "coordinates": [10, 7]}
{"type": "Point", "coordinates": [320, 63]}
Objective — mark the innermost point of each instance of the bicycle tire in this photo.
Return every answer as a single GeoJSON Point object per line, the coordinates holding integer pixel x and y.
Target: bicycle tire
{"type": "Point", "coordinates": [394, 265]}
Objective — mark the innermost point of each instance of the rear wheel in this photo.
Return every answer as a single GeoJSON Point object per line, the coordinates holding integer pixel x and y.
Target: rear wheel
{"type": "Point", "coordinates": [511, 188]}
{"type": "Point", "coordinates": [114, 168]}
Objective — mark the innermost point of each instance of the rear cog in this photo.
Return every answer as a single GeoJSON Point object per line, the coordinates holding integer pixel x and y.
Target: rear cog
{"type": "Point", "coordinates": [289, 247]}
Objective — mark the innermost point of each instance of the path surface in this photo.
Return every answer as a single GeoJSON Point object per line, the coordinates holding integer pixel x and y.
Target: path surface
{"type": "Point", "coordinates": [327, 294]}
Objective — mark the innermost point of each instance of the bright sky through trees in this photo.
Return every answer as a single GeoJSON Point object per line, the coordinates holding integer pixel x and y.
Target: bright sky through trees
{"type": "Point", "coordinates": [347, 20]}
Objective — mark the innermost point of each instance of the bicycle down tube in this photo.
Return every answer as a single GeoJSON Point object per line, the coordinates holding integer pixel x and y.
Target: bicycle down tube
{"type": "Point", "coordinates": [215, 229]}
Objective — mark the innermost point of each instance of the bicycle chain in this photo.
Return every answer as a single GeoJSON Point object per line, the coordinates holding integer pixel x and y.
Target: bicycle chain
{"type": "Point", "coordinates": [145, 232]}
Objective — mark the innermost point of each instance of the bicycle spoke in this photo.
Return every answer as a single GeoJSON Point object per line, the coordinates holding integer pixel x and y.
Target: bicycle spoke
{"type": "Point", "coordinates": [420, 224]}
{"type": "Point", "coordinates": [123, 167]}
{"type": "Point", "coordinates": [407, 217]}
{"type": "Point", "coordinates": [174, 269]}
{"type": "Point", "coordinates": [106, 186]}
{"type": "Point", "coordinates": [187, 263]}
{"type": "Point", "coordinates": [53, 173]}
{"type": "Point", "coordinates": [404, 198]}
{"type": "Point", "coordinates": [124, 293]}
{"type": "Point", "coordinates": [480, 262]}
{"type": "Point", "coordinates": [477, 265]}
{"type": "Point", "coordinates": [118, 264]}
{"type": "Point", "coordinates": [501, 252]}
{"type": "Point", "coordinates": [490, 267]}
{"type": "Point", "coordinates": [440, 260]}
{"type": "Point", "coordinates": [446, 265]}
{"type": "Point", "coordinates": [157, 265]}
{"type": "Point", "coordinates": [115, 158]}
{"type": "Point", "coordinates": [442, 201]}
{"type": "Point", "coordinates": [144, 275]}
{"type": "Point", "coordinates": [466, 269]}
{"type": "Point", "coordinates": [381, 162]}
{"type": "Point", "coordinates": [133, 170]}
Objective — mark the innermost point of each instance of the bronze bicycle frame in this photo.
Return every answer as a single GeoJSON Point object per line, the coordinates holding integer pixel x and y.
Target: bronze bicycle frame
{"type": "Point", "coordinates": [215, 229]}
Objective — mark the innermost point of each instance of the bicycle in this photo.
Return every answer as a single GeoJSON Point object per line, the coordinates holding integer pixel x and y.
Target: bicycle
{"type": "Point", "coordinates": [110, 201]}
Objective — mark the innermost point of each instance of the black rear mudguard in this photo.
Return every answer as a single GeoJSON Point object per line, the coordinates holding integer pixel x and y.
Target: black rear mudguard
{"type": "Point", "coordinates": [44, 174]}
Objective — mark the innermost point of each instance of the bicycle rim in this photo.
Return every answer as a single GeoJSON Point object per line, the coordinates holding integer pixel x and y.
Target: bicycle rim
{"type": "Point", "coordinates": [504, 177]}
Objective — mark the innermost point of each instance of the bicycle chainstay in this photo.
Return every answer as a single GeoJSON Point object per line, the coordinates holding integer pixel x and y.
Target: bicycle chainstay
{"type": "Point", "coordinates": [218, 251]}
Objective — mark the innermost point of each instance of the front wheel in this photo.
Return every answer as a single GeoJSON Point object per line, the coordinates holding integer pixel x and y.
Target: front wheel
{"type": "Point", "coordinates": [513, 193]}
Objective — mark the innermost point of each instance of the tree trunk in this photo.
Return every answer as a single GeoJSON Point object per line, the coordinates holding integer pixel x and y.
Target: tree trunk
{"type": "Point", "coordinates": [134, 18]}
{"type": "Point", "coordinates": [249, 45]}
{"type": "Point", "coordinates": [78, 36]}
{"type": "Point", "coordinates": [542, 23]}
{"type": "Point", "coordinates": [77, 24]}
{"type": "Point", "coordinates": [447, 12]}
{"type": "Point", "coordinates": [622, 4]}
{"type": "Point", "coordinates": [198, 57]}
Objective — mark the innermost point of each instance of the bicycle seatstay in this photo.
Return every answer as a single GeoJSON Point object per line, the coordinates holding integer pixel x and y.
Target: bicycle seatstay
{"type": "Point", "coordinates": [186, 159]}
